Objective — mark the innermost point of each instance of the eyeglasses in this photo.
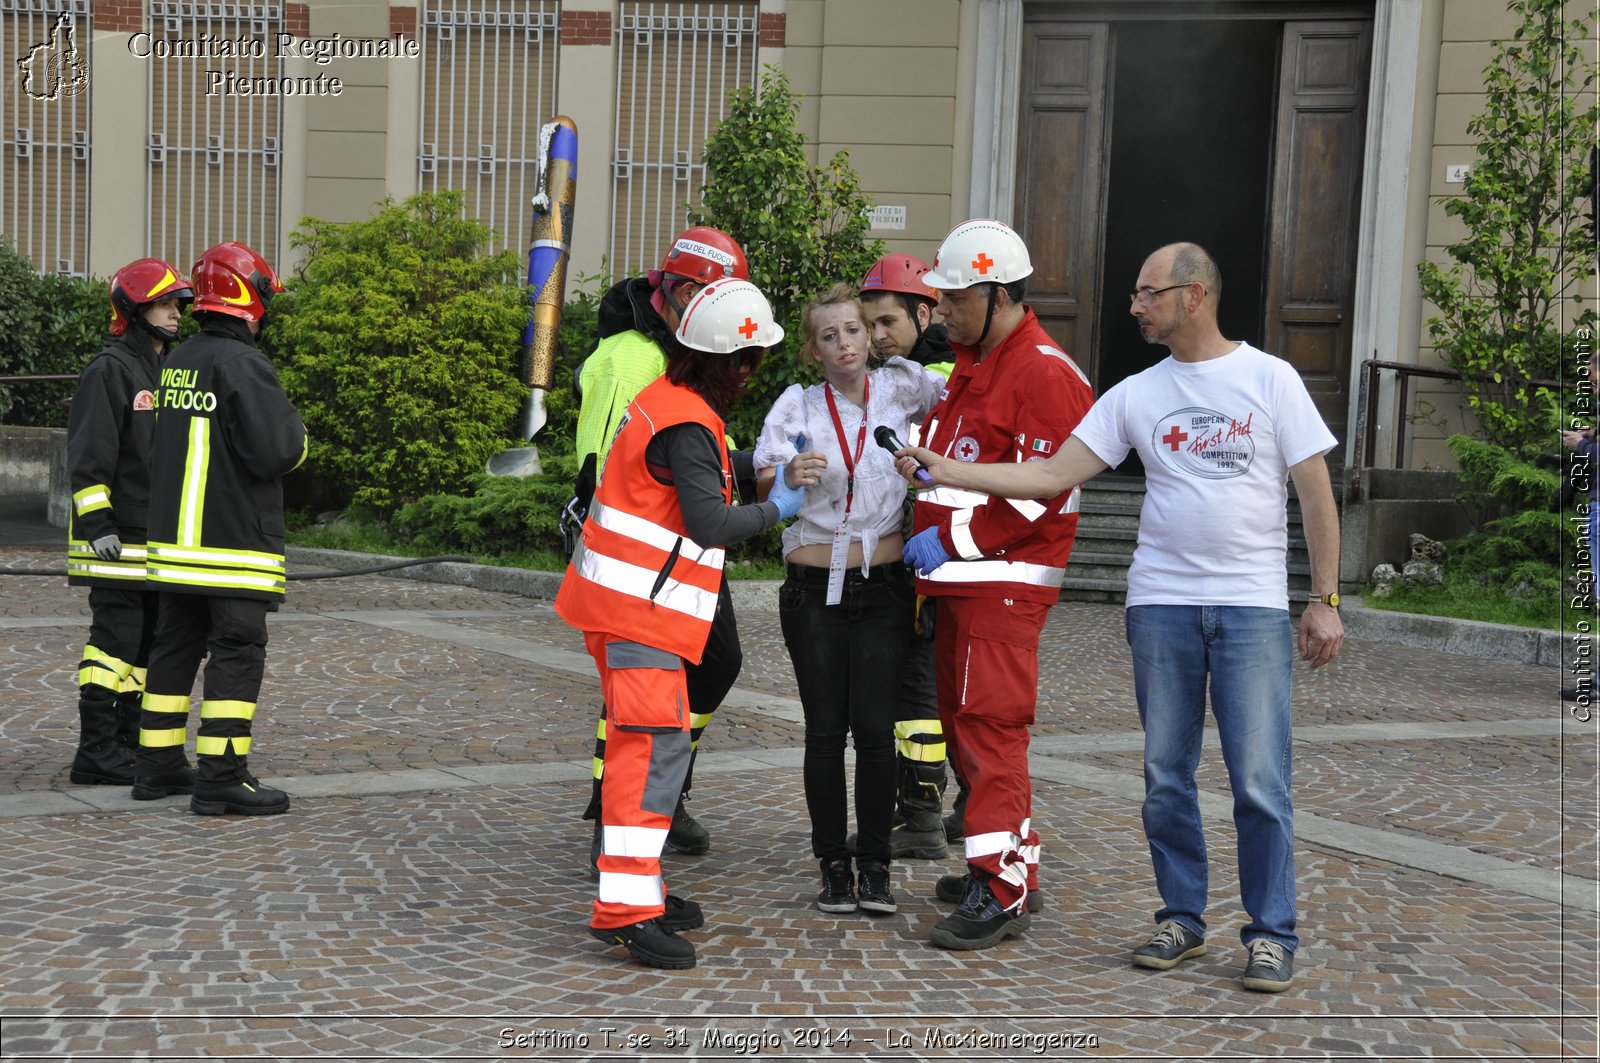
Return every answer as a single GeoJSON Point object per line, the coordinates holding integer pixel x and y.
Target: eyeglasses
{"type": "Point", "coordinates": [1147, 295]}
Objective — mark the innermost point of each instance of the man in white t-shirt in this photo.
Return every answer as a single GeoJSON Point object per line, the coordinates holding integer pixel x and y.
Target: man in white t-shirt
{"type": "Point", "coordinates": [1221, 427]}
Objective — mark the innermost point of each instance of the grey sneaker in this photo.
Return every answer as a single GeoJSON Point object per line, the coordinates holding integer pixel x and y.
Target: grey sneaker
{"type": "Point", "coordinates": [1171, 945]}
{"type": "Point", "coordinates": [1269, 968]}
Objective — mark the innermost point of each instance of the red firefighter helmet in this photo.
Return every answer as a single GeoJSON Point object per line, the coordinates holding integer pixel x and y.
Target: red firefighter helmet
{"type": "Point", "coordinates": [232, 279]}
{"type": "Point", "coordinates": [703, 254]}
{"type": "Point", "coordinates": [898, 273]}
{"type": "Point", "coordinates": [140, 283]}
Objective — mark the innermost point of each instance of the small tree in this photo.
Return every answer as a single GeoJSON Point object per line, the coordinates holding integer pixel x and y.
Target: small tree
{"type": "Point", "coordinates": [1529, 252]}
{"type": "Point", "coordinates": [804, 226]}
{"type": "Point", "coordinates": [398, 343]}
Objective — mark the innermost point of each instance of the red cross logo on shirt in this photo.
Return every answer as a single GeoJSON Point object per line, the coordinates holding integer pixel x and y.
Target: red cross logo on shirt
{"type": "Point", "coordinates": [748, 329]}
{"type": "Point", "coordinates": [1174, 437]}
{"type": "Point", "coordinates": [982, 264]}
{"type": "Point", "coordinates": [966, 450]}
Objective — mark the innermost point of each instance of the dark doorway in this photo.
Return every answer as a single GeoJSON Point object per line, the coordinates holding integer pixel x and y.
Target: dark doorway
{"type": "Point", "coordinates": [1192, 110]}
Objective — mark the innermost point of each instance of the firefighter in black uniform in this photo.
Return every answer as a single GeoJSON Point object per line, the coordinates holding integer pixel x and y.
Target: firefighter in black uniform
{"type": "Point", "coordinates": [226, 436]}
{"type": "Point", "coordinates": [109, 428]}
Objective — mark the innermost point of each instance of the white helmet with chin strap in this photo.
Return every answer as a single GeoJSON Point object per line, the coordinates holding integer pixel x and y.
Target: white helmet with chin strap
{"type": "Point", "coordinates": [979, 251]}
{"type": "Point", "coordinates": [728, 315]}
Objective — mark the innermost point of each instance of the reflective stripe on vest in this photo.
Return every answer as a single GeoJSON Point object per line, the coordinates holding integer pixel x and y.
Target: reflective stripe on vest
{"type": "Point", "coordinates": [635, 573]}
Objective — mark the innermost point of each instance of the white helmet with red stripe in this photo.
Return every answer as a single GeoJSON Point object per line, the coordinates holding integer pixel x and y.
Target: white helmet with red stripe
{"type": "Point", "coordinates": [979, 251]}
{"type": "Point", "coordinates": [729, 315]}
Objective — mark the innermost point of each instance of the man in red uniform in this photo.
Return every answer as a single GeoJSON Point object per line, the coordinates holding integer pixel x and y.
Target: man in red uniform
{"type": "Point", "coordinates": [994, 565]}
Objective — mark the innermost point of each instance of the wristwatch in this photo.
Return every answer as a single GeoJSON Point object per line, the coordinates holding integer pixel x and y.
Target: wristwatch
{"type": "Point", "coordinates": [1326, 599]}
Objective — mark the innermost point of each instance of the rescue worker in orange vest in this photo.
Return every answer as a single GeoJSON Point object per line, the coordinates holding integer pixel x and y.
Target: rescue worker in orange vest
{"type": "Point", "coordinates": [643, 587]}
{"type": "Point", "coordinates": [110, 427]}
{"type": "Point", "coordinates": [994, 565]}
{"type": "Point", "coordinates": [636, 320]}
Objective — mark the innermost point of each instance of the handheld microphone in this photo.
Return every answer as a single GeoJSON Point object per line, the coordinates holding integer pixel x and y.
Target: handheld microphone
{"type": "Point", "coordinates": [891, 442]}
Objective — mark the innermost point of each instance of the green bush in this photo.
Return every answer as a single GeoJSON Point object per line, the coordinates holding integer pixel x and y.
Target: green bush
{"type": "Point", "coordinates": [502, 515]}
{"type": "Point", "coordinates": [49, 324]}
{"type": "Point", "coordinates": [1521, 541]}
{"type": "Point", "coordinates": [804, 226]}
{"type": "Point", "coordinates": [398, 342]}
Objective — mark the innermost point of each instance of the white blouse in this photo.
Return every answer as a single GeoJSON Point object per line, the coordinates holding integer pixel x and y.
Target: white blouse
{"type": "Point", "coordinates": [900, 393]}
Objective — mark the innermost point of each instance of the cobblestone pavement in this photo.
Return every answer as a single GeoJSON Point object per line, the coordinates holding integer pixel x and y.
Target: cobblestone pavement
{"type": "Point", "coordinates": [425, 898]}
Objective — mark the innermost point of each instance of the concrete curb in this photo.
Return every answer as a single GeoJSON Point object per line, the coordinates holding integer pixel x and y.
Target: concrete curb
{"type": "Point", "coordinates": [1468, 638]}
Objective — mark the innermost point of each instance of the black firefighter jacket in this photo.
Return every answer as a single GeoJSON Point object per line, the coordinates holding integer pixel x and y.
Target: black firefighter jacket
{"type": "Point", "coordinates": [110, 424]}
{"type": "Point", "coordinates": [225, 436]}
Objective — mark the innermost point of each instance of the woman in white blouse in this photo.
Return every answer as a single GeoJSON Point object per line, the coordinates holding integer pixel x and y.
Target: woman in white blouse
{"type": "Point", "coordinates": [847, 604]}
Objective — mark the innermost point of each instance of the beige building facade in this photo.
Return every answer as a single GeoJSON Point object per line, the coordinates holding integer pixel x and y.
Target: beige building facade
{"type": "Point", "coordinates": [1316, 169]}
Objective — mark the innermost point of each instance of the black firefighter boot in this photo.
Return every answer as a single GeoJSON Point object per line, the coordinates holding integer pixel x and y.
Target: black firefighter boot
{"type": "Point", "coordinates": [160, 771]}
{"type": "Point", "coordinates": [918, 829]}
{"type": "Point", "coordinates": [686, 835]}
{"type": "Point", "coordinates": [224, 784]}
{"type": "Point", "coordinates": [99, 758]}
{"type": "Point", "coordinates": [128, 722]}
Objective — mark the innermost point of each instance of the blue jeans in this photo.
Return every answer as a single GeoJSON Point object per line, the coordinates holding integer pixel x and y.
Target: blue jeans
{"type": "Point", "coordinates": [1247, 654]}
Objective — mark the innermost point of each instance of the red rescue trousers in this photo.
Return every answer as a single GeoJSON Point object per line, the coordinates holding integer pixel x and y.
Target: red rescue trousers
{"type": "Point", "coordinates": [987, 660]}
{"type": "Point", "coordinates": [647, 757]}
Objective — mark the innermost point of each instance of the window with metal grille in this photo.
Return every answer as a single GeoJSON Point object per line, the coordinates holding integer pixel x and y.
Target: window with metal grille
{"type": "Point", "coordinates": [488, 85]}
{"type": "Point", "coordinates": [44, 132]}
{"type": "Point", "coordinates": [213, 150]}
{"type": "Point", "coordinates": [677, 67]}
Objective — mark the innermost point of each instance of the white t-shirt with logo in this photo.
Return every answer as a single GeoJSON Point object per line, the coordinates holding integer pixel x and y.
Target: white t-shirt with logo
{"type": "Point", "coordinates": [1217, 439]}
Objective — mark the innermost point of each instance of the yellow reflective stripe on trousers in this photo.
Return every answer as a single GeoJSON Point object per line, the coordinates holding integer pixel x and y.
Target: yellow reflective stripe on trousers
{"type": "Point", "coordinates": [227, 710]}
{"type": "Point", "coordinates": [213, 746]}
{"type": "Point", "coordinates": [178, 703]}
{"type": "Point", "coordinates": [161, 739]}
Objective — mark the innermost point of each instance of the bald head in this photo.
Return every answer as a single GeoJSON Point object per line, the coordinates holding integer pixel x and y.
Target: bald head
{"type": "Point", "coordinates": [1191, 263]}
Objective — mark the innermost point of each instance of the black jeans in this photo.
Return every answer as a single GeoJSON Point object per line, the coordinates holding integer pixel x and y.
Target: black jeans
{"type": "Point", "coordinates": [847, 664]}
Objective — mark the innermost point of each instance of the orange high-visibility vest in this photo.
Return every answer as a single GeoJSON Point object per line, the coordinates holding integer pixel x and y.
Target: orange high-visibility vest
{"type": "Point", "coordinates": [636, 574]}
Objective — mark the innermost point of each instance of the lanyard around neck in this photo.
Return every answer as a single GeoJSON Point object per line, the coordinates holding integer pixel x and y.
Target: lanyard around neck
{"type": "Point", "coordinates": [844, 448]}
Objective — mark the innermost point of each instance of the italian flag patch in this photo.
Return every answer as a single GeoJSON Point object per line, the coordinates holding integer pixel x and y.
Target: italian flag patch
{"type": "Point", "coordinates": [1041, 446]}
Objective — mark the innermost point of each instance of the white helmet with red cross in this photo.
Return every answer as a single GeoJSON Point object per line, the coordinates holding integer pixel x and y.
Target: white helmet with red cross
{"type": "Point", "coordinates": [979, 251]}
{"type": "Point", "coordinates": [729, 315]}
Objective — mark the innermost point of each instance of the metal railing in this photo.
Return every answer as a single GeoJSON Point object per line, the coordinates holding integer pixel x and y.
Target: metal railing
{"type": "Point", "coordinates": [1367, 424]}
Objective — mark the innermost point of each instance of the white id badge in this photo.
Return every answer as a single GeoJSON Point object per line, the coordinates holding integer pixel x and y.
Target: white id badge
{"type": "Point", "coordinates": [836, 564]}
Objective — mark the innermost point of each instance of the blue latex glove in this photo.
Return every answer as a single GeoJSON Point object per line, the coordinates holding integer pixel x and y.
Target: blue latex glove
{"type": "Point", "coordinates": [924, 552]}
{"type": "Point", "coordinates": [787, 499]}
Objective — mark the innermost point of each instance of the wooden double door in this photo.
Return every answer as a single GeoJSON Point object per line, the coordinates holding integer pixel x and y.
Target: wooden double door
{"type": "Point", "coordinates": [1232, 125]}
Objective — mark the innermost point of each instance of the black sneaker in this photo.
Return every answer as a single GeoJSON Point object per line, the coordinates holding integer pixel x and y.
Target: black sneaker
{"type": "Point", "coordinates": [650, 943]}
{"type": "Point", "coordinates": [1269, 968]}
{"type": "Point", "coordinates": [686, 835]}
{"type": "Point", "coordinates": [682, 915]}
{"type": "Point", "coordinates": [1171, 945]}
{"type": "Point", "coordinates": [979, 922]}
{"type": "Point", "coordinates": [876, 896]}
{"type": "Point", "coordinates": [838, 893]}
{"type": "Point", "coordinates": [952, 889]}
